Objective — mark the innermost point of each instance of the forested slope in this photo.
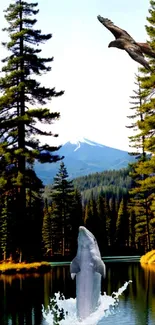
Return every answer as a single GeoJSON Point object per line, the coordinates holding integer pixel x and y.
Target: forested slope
{"type": "Point", "coordinates": [109, 182]}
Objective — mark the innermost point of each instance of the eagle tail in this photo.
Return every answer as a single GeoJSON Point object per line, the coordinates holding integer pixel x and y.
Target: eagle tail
{"type": "Point", "coordinates": [146, 49]}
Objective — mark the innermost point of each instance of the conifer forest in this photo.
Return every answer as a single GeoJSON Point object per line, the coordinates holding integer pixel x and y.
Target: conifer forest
{"type": "Point", "coordinates": [41, 222]}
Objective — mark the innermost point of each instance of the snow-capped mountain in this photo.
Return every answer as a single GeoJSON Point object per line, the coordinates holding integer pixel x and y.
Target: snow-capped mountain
{"type": "Point", "coordinates": [83, 157]}
{"type": "Point", "coordinates": [84, 140]}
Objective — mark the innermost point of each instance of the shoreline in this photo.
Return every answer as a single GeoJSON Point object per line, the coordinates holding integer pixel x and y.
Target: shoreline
{"type": "Point", "coordinates": [12, 268]}
{"type": "Point", "coordinates": [23, 268]}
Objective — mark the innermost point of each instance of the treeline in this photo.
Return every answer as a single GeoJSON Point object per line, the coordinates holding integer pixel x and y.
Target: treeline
{"type": "Point", "coordinates": [107, 211]}
{"type": "Point", "coordinates": [118, 178]}
{"type": "Point", "coordinates": [113, 224]}
{"type": "Point", "coordinates": [112, 182]}
{"type": "Point", "coordinates": [108, 216]}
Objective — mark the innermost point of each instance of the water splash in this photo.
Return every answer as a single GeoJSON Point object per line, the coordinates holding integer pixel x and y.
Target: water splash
{"type": "Point", "coordinates": [62, 311]}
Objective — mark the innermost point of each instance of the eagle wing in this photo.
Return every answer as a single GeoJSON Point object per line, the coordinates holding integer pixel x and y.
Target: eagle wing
{"type": "Point", "coordinates": [115, 30]}
{"type": "Point", "coordinates": [136, 54]}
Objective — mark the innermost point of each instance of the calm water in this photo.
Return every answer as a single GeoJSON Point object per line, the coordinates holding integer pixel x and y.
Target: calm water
{"type": "Point", "coordinates": [22, 297]}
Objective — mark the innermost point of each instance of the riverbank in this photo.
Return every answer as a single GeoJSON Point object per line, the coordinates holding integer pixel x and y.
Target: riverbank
{"type": "Point", "coordinates": [13, 268]}
{"type": "Point", "coordinates": [148, 258]}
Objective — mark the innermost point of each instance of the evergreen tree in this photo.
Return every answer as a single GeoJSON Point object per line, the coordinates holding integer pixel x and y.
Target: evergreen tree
{"type": "Point", "coordinates": [63, 214]}
{"type": "Point", "coordinates": [63, 197]}
{"type": "Point", "coordinates": [49, 225]}
{"type": "Point", "coordinates": [19, 130]}
{"type": "Point", "coordinates": [122, 225]}
{"type": "Point", "coordinates": [47, 229]}
{"type": "Point", "coordinates": [137, 139]}
{"type": "Point", "coordinates": [8, 242]}
{"type": "Point", "coordinates": [107, 216]}
{"type": "Point", "coordinates": [147, 128]}
{"type": "Point", "coordinates": [77, 220]}
{"type": "Point", "coordinates": [132, 229]}
{"type": "Point", "coordinates": [138, 196]}
{"type": "Point", "coordinates": [113, 218]}
{"type": "Point", "coordinates": [4, 229]}
{"type": "Point", "coordinates": [90, 217]}
{"type": "Point", "coordinates": [140, 199]}
{"type": "Point", "coordinates": [144, 170]}
{"type": "Point", "coordinates": [102, 232]}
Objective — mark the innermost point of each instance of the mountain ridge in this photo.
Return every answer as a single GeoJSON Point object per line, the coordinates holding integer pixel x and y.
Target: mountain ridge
{"type": "Point", "coordinates": [90, 142]}
{"type": "Point", "coordinates": [84, 157]}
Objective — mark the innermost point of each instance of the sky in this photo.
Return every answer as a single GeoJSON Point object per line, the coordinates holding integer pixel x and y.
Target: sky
{"type": "Point", "coordinates": [98, 81]}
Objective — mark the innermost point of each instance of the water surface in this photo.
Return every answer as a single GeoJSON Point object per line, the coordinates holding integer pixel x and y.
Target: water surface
{"type": "Point", "coordinates": [22, 297]}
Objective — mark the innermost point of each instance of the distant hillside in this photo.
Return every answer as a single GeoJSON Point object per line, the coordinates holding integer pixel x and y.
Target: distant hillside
{"type": "Point", "coordinates": [112, 182]}
{"type": "Point", "coordinates": [83, 158]}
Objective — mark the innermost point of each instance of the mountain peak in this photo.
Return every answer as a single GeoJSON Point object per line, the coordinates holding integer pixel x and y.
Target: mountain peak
{"type": "Point", "coordinates": [81, 140]}
{"type": "Point", "coordinates": [84, 157]}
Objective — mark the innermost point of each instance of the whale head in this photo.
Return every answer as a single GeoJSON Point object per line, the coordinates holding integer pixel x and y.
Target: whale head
{"type": "Point", "coordinates": [86, 238]}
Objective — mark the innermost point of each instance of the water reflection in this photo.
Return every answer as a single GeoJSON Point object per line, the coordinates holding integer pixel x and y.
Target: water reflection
{"type": "Point", "coordinates": [22, 297]}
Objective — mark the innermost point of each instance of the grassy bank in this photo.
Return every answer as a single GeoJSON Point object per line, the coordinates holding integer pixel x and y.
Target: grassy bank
{"type": "Point", "coordinates": [12, 268]}
{"type": "Point", "coordinates": [148, 258]}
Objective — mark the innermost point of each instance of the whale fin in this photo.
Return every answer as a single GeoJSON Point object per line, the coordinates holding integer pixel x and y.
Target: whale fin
{"type": "Point", "coordinates": [73, 275]}
{"type": "Point", "coordinates": [100, 267]}
{"type": "Point", "coordinates": [74, 267]}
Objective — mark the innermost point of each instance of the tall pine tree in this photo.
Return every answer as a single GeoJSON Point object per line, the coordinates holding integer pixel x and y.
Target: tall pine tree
{"type": "Point", "coordinates": [63, 197]}
{"type": "Point", "coordinates": [139, 201]}
{"type": "Point", "coordinates": [21, 94]}
{"type": "Point", "coordinates": [146, 126]}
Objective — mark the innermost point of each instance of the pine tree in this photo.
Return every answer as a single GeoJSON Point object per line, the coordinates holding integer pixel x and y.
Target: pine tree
{"type": "Point", "coordinates": [7, 226]}
{"type": "Point", "coordinates": [142, 208]}
{"type": "Point", "coordinates": [94, 221]}
{"type": "Point", "coordinates": [90, 217]}
{"type": "Point", "coordinates": [138, 196]}
{"type": "Point", "coordinates": [4, 229]}
{"type": "Point", "coordinates": [132, 229]}
{"type": "Point", "coordinates": [77, 220]}
{"type": "Point", "coordinates": [146, 127]}
{"type": "Point", "coordinates": [113, 218]}
{"type": "Point", "coordinates": [108, 219]}
{"type": "Point", "coordinates": [19, 130]}
{"type": "Point", "coordinates": [63, 197]}
{"type": "Point", "coordinates": [122, 225]}
{"type": "Point", "coordinates": [63, 214]}
{"type": "Point", "coordinates": [49, 226]}
{"type": "Point", "coordinates": [137, 139]}
{"type": "Point", "coordinates": [102, 232]}
{"type": "Point", "coordinates": [47, 229]}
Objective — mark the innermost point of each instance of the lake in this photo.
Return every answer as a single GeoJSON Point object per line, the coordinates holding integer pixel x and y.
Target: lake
{"type": "Point", "coordinates": [22, 296]}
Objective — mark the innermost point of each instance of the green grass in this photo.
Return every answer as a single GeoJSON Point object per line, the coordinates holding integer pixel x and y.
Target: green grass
{"type": "Point", "coordinates": [12, 268]}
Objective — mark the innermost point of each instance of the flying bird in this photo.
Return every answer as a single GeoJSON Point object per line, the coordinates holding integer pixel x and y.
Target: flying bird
{"type": "Point", "coordinates": [125, 42]}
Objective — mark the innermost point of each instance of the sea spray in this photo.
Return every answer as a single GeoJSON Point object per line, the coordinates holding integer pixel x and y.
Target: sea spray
{"type": "Point", "coordinates": [62, 311]}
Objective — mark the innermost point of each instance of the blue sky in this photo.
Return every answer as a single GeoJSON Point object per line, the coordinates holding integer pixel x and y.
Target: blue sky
{"type": "Point", "coordinates": [97, 80]}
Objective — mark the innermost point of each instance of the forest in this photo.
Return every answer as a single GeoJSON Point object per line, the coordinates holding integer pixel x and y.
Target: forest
{"type": "Point", "coordinates": [41, 222]}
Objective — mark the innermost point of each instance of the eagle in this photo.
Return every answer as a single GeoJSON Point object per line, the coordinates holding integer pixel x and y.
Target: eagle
{"type": "Point", "coordinates": [125, 42]}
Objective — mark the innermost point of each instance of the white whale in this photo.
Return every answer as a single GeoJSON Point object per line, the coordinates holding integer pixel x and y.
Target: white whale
{"type": "Point", "coordinates": [88, 268]}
